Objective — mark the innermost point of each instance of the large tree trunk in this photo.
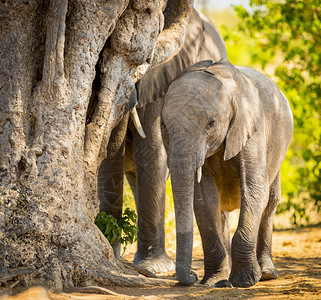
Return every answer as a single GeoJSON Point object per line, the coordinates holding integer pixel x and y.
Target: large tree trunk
{"type": "Point", "coordinates": [54, 127]}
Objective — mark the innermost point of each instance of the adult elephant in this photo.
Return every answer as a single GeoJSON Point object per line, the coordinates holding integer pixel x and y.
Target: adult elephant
{"type": "Point", "coordinates": [144, 160]}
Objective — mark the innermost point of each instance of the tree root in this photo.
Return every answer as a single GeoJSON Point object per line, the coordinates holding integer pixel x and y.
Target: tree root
{"type": "Point", "coordinates": [140, 270]}
{"type": "Point", "coordinates": [14, 274]}
{"type": "Point", "coordinates": [132, 280]}
{"type": "Point", "coordinates": [67, 258]}
{"type": "Point", "coordinates": [93, 290]}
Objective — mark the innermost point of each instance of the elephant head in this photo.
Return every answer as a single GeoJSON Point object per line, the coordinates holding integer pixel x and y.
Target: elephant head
{"type": "Point", "coordinates": [210, 106]}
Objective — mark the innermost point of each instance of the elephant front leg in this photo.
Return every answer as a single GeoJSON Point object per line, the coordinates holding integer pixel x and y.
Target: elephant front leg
{"type": "Point", "coordinates": [152, 172]}
{"type": "Point", "coordinates": [111, 176]}
{"type": "Point", "coordinates": [214, 240]}
{"type": "Point", "coordinates": [246, 270]}
{"type": "Point", "coordinates": [264, 246]}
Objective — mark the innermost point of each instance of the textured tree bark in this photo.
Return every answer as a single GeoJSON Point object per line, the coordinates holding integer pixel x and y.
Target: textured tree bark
{"type": "Point", "coordinates": [55, 124]}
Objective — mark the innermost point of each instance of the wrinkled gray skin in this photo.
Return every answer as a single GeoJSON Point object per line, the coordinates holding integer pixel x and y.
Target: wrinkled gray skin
{"type": "Point", "coordinates": [144, 160]}
{"type": "Point", "coordinates": [236, 124]}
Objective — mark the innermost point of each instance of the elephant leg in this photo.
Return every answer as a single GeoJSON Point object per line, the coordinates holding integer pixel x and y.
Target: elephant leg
{"type": "Point", "coordinates": [111, 174]}
{"type": "Point", "coordinates": [209, 220]}
{"type": "Point", "coordinates": [255, 193]}
{"type": "Point", "coordinates": [151, 171]}
{"type": "Point", "coordinates": [264, 246]}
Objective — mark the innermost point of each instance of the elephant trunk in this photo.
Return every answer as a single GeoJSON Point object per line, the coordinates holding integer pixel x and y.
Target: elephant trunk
{"type": "Point", "coordinates": [183, 177]}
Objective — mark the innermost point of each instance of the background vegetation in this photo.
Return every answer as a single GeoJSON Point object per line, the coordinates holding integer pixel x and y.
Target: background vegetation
{"type": "Point", "coordinates": [283, 39]}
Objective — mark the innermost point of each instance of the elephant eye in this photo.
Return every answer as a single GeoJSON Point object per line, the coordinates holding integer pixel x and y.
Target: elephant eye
{"type": "Point", "coordinates": [211, 123]}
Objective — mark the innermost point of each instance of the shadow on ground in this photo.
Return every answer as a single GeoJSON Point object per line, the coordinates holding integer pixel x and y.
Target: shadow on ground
{"type": "Point", "coordinates": [297, 256]}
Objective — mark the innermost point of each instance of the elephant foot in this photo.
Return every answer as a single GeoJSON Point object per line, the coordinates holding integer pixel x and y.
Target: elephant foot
{"type": "Point", "coordinates": [268, 269]}
{"type": "Point", "coordinates": [245, 276]}
{"type": "Point", "coordinates": [268, 274]}
{"type": "Point", "coordinates": [188, 279]}
{"type": "Point", "coordinates": [217, 283]}
{"type": "Point", "coordinates": [156, 264]}
{"type": "Point", "coordinates": [217, 279]}
{"type": "Point", "coordinates": [223, 284]}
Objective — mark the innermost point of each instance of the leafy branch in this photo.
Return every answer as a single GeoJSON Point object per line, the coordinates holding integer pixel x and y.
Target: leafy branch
{"type": "Point", "coordinates": [123, 229]}
{"type": "Point", "coordinates": [288, 43]}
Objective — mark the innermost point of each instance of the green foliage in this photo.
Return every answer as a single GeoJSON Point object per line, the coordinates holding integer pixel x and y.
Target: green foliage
{"type": "Point", "coordinates": [240, 47]}
{"type": "Point", "coordinates": [124, 228]}
{"type": "Point", "coordinates": [287, 36]}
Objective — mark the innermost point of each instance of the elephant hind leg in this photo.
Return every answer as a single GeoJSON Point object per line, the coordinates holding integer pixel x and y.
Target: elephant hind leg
{"type": "Point", "coordinates": [264, 246]}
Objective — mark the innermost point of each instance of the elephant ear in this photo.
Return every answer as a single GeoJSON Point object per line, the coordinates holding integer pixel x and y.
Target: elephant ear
{"type": "Point", "coordinates": [200, 66]}
{"type": "Point", "coordinates": [247, 115]}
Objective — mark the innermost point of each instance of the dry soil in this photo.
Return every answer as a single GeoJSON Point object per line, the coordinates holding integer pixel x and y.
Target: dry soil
{"type": "Point", "coordinates": [297, 256]}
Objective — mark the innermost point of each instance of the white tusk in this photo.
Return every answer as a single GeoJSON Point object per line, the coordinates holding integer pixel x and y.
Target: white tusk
{"type": "Point", "coordinates": [137, 123]}
{"type": "Point", "coordinates": [167, 174]}
{"type": "Point", "coordinates": [199, 174]}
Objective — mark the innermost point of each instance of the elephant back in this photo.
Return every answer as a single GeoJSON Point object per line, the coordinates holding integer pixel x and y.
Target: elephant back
{"type": "Point", "coordinates": [202, 41]}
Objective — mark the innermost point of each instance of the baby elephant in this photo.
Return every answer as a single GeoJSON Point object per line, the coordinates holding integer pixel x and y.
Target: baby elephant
{"type": "Point", "coordinates": [226, 130]}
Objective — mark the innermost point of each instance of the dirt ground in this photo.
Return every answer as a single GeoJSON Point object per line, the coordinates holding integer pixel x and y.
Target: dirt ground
{"type": "Point", "coordinates": [297, 256]}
